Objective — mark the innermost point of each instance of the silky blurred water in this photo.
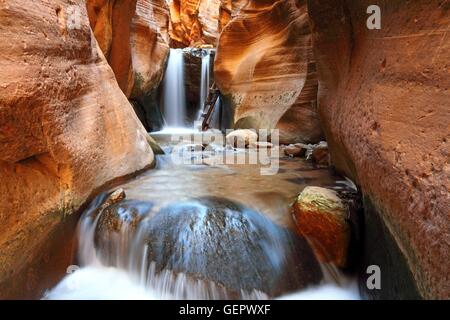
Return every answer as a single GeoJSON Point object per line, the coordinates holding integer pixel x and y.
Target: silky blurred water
{"type": "Point", "coordinates": [123, 271]}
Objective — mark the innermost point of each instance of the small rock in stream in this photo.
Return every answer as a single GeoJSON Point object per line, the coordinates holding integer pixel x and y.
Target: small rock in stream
{"type": "Point", "coordinates": [114, 197]}
{"type": "Point", "coordinates": [295, 150]}
{"type": "Point", "coordinates": [319, 154]}
{"type": "Point", "coordinates": [261, 145]}
{"type": "Point", "coordinates": [242, 138]}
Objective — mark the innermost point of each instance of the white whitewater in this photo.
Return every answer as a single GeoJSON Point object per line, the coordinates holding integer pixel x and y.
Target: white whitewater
{"type": "Point", "coordinates": [204, 81]}
{"type": "Point", "coordinates": [108, 283]}
{"type": "Point", "coordinates": [129, 277]}
{"type": "Point", "coordinates": [174, 91]}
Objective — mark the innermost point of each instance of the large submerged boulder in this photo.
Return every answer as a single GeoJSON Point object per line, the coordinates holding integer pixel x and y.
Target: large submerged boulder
{"type": "Point", "coordinates": [384, 103]}
{"type": "Point", "coordinates": [66, 129]}
{"type": "Point", "coordinates": [213, 240]}
{"type": "Point", "coordinates": [228, 244]}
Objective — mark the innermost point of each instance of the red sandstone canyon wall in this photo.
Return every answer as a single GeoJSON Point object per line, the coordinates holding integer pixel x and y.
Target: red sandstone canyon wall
{"type": "Point", "coordinates": [384, 102]}
{"type": "Point", "coordinates": [66, 129]}
{"type": "Point", "coordinates": [134, 37]}
{"type": "Point", "coordinates": [266, 70]}
{"type": "Point", "coordinates": [194, 23]}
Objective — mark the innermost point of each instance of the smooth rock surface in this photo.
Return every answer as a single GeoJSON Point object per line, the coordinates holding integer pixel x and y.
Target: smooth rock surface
{"type": "Point", "coordinates": [66, 129]}
{"type": "Point", "coordinates": [194, 23]}
{"type": "Point", "coordinates": [265, 69]}
{"type": "Point", "coordinates": [321, 217]}
{"type": "Point", "coordinates": [233, 246]}
{"type": "Point", "coordinates": [242, 138]}
{"type": "Point", "coordinates": [134, 37]}
{"type": "Point", "coordinates": [384, 102]}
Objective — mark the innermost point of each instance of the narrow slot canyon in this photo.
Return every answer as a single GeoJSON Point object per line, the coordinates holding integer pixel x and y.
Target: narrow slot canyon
{"type": "Point", "coordinates": [222, 150]}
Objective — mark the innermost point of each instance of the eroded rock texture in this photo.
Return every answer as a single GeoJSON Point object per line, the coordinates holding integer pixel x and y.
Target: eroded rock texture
{"type": "Point", "coordinates": [265, 68]}
{"type": "Point", "coordinates": [384, 101]}
{"type": "Point", "coordinates": [194, 22]}
{"type": "Point", "coordinates": [65, 130]}
{"type": "Point", "coordinates": [134, 38]}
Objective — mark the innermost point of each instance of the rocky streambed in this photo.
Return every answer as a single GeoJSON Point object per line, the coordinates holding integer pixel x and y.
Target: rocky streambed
{"type": "Point", "coordinates": [203, 231]}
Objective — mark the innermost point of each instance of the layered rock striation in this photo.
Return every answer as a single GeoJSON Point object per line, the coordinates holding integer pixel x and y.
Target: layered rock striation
{"type": "Point", "coordinates": [66, 129]}
{"type": "Point", "coordinates": [194, 23]}
{"type": "Point", "coordinates": [265, 68]}
{"type": "Point", "coordinates": [384, 103]}
{"type": "Point", "coordinates": [134, 37]}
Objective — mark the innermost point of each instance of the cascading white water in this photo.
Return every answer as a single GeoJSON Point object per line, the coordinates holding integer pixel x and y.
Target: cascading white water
{"type": "Point", "coordinates": [174, 90]}
{"type": "Point", "coordinates": [204, 81]}
{"type": "Point", "coordinates": [121, 263]}
{"type": "Point", "coordinates": [123, 271]}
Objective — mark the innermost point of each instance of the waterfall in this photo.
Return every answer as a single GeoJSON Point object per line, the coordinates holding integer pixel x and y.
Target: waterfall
{"type": "Point", "coordinates": [204, 81]}
{"type": "Point", "coordinates": [174, 91]}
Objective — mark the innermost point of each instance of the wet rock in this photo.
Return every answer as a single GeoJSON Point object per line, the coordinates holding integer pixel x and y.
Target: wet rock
{"type": "Point", "coordinates": [192, 77]}
{"type": "Point", "coordinates": [261, 145]}
{"type": "Point", "coordinates": [319, 154]}
{"type": "Point", "coordinates": [118, 215]}
{"type": "Point", "coordinates": [115, 232]}
{"type": "Point", "coordinates": [148, 111]}
{"type": "Point", "coordinates": [295, 150]}
{"type": "Point", "coordinates": [154, 145]}
{"type": "Point", "coordinates": [242, 138]}
{"type": "Point", "coordinates": [115, 197]}
{"type": "Point", "coordinates": [227, 243]}
{"type": "Point", "coordinates": [321, 217]}
{"type": "Point", "coordinates": [381, 249]}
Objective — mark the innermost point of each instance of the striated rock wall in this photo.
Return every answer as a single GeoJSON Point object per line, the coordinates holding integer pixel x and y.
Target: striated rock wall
{"type": "Point", "coordinates": [133, 35]}
{"type": "Point", "coordinates": [194, 23]}
{"type": "Point", "coordinates": [265, 68]}
{"type": "Point", "coordinates": [384, 101]}
{"type": "Point", "coordinates": [66, 129]}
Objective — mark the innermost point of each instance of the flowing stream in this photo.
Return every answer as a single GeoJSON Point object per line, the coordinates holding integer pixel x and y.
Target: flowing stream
{"type": "Point", "coordinates": [204, 81]}
{"type": "Point", "coordinates": [203, 231]}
